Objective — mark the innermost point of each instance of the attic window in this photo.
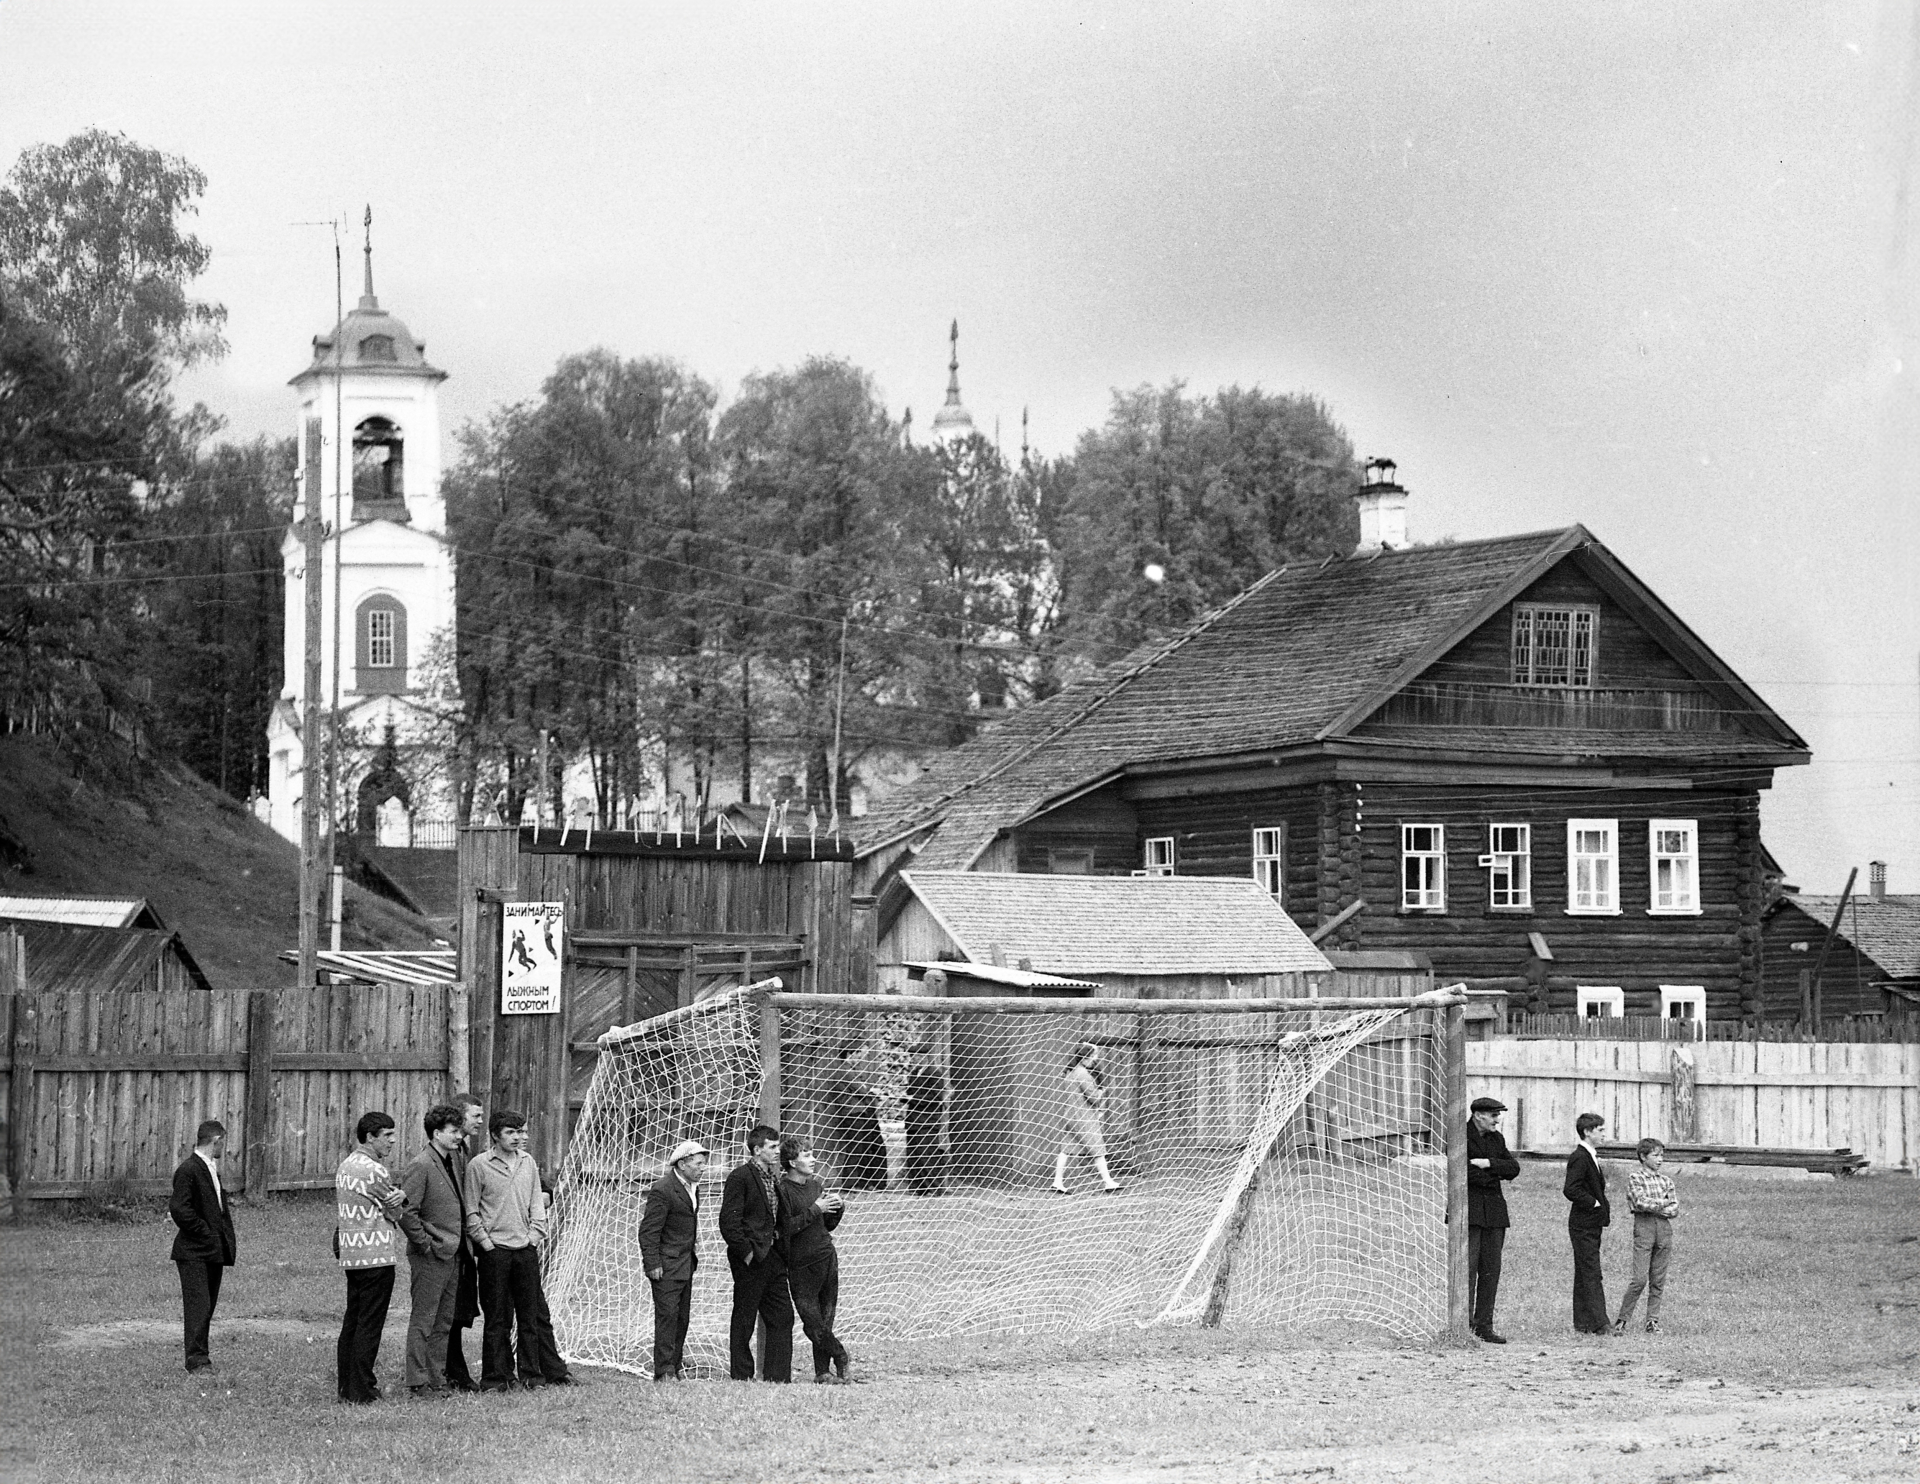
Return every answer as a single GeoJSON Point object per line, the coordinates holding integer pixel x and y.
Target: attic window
{"type": "Point", "coordinates": [1553, 646]}
{"type": "Point", "coordinates": [1157, 857]}
{"type": "Point", "coordinates": [377, 348]}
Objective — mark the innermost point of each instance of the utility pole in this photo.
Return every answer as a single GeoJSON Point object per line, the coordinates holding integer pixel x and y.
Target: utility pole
{"type": "Point", "coordinates": [312, 870]}
{"type": "Point", "coordinates": [341, 446]}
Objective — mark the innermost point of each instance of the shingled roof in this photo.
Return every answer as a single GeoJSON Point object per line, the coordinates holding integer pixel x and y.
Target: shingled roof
{"type": "Point", "coordinates": [1303, 656]}
{"type": "Point", "coordinates": [1090, 925]}
{"type": "Point", "coordinates": [1885, 929]}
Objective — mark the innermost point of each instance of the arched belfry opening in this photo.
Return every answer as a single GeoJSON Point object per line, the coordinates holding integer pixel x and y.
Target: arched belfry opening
{"type": "Point", "coordinates": [379, 471]}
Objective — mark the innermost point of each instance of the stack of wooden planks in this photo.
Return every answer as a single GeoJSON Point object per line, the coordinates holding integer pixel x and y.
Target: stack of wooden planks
{"type": "Point", "coordinates": [1820, 1161]}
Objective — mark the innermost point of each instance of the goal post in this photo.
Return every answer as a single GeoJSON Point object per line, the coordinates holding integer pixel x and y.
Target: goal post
{"type": "Point", "coordinates": [1291, 1162]}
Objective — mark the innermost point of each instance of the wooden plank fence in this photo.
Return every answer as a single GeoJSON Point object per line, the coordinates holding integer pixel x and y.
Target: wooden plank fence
{"type": "Point", "coordinates": [1768, 1094]}
{"type": "Point", "coordinates": [1862, 1029]}
{"type": "Point", "coordinates": [107, 1089]}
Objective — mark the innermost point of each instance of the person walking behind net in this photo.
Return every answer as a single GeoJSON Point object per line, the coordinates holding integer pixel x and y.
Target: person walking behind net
{"type": "Point", "coordinates": [808, 1214]}
{"type": "Point", "coordinates": [1085, 1094]}
{"type": "Point", "coordinates": [1656, 1206]}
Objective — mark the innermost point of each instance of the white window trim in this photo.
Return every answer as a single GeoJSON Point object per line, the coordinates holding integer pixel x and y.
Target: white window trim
{"type": "Point", "coordinates": [1492, 860]}
{"type": "Point", "coordinates": [1593, 643]}
{"type": "Point", "coordinates": [1610, 995]}
{"type": "Point", "coordinates": [1654, 857]}
{"type": "Point", "coordinates": [1612, 827]}
{"type": "Point", "coordinates": [1275, 858]}
{"type": "Point", "coordinates": [1438, 855]}
{"type": "Point", "coordinates": [1686, 994]}
{"type": "Point", "coordinates": [1151, 867]}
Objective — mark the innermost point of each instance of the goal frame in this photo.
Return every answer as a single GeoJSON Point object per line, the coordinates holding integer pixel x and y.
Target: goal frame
{"type": "Point", "coordinates": [1449, 1035]}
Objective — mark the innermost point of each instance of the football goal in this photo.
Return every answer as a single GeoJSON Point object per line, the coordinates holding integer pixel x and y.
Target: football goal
{"type": "Point", "coordinates": [1278, 1162]}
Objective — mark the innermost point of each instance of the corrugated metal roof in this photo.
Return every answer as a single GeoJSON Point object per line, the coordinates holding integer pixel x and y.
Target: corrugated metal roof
{"type": "Point", "coordinates": [70, 957]}
{"type": "Point", "coordinates": [1117, 924]}
{"type": "Point", "coordinates": [412, 966]}
{"type": "Point", "coordinates": [1012, 978]}
{"type": "Point", "coordinates": [107, 912]}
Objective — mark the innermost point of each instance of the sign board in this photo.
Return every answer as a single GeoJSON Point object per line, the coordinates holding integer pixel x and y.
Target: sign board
{"type": "Point", "coordinates": [531, 944]}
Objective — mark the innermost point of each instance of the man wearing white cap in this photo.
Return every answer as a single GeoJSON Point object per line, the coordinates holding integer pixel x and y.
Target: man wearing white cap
{"type": "Point", "coordinates": [669, 1228]}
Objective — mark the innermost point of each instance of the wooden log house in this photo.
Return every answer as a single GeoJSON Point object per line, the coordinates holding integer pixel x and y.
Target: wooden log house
{"type": "Point", "coordinates": [1511, 752]}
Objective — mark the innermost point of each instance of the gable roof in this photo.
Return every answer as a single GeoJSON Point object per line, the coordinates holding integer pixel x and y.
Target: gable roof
{"type": "Point", "coordinates": [1885, 929]}
{"type": "Point", "coordinates": [1089, 925]}
{"type": "Point", "coordinates": [1299, 659]}
{"type": "Point", "coordinates": [75, 957]}
{"type": "Point", "coordinates": [109, 912]}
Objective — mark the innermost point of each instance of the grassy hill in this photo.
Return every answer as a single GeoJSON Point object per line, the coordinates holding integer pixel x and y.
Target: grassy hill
{"type": "Point", "coordinates": [220, 878]}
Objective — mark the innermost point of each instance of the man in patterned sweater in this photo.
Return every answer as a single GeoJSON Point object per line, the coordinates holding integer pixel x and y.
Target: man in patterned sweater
{"type": "Point", "coordinates": [1656, 1206]}
{"type": "Point", "coordinates": [372, 1214]}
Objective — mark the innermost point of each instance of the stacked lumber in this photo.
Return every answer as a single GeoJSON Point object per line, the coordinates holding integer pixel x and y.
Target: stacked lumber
{"type": "Point", "coordinates": [1820, 1161]}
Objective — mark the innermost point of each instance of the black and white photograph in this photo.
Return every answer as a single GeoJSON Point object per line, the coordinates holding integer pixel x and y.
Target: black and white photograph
{"type": "Point", "coordinates": [1147, 743]}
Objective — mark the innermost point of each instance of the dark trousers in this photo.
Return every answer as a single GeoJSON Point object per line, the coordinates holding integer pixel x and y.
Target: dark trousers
{"type": "Point", "coordinates": [760, 1292]}
{"type": "Point", "coordinates": [1589, 1292]}
{"type": "Point", "coordinates": [434, 1282]}
{"type": "Point", "coordinates": [672, 1313]}
{"type": "Point", "coordinates": [466, 1309]}
{"type": "Point", "coordinates": [369, 1290]}
{"type": "Point", "coordinates": [1484, 1247]}
{"type": "Point", "coordinates": [816, 1296]}
{"type": "Point", "coordinates": [199, 1293]}
{"type": "Point", "coordinates": [510, 1295]}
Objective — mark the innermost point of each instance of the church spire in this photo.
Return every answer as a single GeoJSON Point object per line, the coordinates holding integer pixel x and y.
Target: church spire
{"type": "Point", "coordinates": [953, 422]}
{"type": "Point", "coordinates": [367, 301]}
{"type": "Point", "coordinates": [953, 365]}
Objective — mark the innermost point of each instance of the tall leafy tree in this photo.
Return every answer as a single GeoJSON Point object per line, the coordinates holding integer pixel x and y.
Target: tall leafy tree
{"type": "Point", "coordinates": [1209, 492]}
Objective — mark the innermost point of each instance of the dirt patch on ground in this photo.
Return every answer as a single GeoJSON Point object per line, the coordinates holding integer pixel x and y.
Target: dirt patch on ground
{"type": "Point", "coordinates": [121, 1333]}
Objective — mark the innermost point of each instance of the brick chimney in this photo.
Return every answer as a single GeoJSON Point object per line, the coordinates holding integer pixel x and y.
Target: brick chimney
{"type": "Point", "coordinates": [1876, 879]}
{"type": "Point", "coordinates": [1383, 509]}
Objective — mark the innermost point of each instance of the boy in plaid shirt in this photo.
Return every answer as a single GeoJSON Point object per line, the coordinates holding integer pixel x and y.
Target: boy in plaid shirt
{"type": "Point", "coordinates": [1656, 1205]}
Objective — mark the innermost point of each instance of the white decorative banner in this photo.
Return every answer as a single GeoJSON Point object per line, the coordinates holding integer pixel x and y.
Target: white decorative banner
{"type": "Point", "coordinates": [531, 941]}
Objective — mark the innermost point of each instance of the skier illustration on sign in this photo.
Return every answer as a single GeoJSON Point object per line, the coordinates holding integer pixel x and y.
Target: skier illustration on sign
{"type": "Point", "coordinates": [522, 958]}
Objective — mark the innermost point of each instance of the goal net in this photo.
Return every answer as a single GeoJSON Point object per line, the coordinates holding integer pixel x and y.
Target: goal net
{"type": "Point", "coordinates": [1277, 1167]}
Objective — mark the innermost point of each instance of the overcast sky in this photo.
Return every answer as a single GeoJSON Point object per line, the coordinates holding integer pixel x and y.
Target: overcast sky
{"type": "Point", "coordinates": [1650, 267]}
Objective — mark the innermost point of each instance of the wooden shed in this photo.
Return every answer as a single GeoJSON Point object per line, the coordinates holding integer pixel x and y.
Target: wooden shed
{"type": "Point", "coordinates": [653, 921]}
{"type": "Point", "coordinates": [1871, 968]}
{"type": "Point", "coordinates": [97, 944]}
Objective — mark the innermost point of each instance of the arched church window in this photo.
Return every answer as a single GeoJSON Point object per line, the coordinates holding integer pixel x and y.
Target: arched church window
{"type": "Point", "coordinates": [378, 466]}
{"type": "Point", "coordinates": [377, 348]}
{"type": "Point", "coordinates": [380, 646]}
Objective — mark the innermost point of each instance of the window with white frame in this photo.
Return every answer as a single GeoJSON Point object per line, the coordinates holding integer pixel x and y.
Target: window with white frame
{"type": "Point", "coordinates": [1685, 1002]}
{"type": "Point", "coordinates": [1158, 856]}
{"type": "Point", "coordinates": [1270, 860]}
{"type": "Point", "coordinates": [1593, 866]}
{"type": "Point", "coordinates": [1599, 1001]}
{"type": "Point", "coordinates": [1423, 867]}
{"type": "Point", "coordinates": [1553, 645]}
{"type": "Point", "coordinates": [380, 633]}
{"type": "Point", "coordinates": [1509, 863]}
{"type": "Point", "coordinates": [1674, 848]}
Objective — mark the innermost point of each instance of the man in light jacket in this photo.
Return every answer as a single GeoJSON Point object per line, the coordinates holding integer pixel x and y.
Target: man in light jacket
{"type": "Point", "coordinates": [507, 1223]}
{"type": "Point", "coordinates": [432, 1187]}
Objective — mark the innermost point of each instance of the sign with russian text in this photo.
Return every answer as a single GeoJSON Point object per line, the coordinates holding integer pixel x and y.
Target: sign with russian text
{"type": "Point", "coordinates": [530, 947]}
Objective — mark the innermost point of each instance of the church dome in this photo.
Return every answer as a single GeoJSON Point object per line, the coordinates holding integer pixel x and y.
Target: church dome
{"type": "Point", "coordinates": [370, 339]}
{"type": "Point", "coordinates": [953, 422]}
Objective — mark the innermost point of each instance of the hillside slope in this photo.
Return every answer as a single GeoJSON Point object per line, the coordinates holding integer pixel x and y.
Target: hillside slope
{"type": "Point", "coordinates": [224, 881]}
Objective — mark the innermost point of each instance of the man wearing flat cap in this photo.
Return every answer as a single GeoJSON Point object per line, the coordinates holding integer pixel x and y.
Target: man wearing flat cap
{"type": "Point", "coordinates": [1488, 1163]}
{"type": "Point", "coordinates": [668, 1229]}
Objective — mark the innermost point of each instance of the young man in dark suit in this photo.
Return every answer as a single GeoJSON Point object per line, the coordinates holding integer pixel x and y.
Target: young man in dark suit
{"type": "Point", "coordinates": [1587, 1218]}
{"type": "Point", "coordinates": [669, 1228]}
{"type": "Point", "coordinates": [1488, 1163]}
{"type": "Point", "coordinates": [204, 1247]}
{"type": "Point", "coordinates": [757, 1256]}
{"type": "Point", "coordinates": [466, 1297]}
{"type": "Point", "coordinates": [432, 1187]}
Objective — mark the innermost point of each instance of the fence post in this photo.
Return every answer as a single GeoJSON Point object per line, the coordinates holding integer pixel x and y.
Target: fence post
{"type": "Point", "coordinates": [20, 1093]}
{"type": "Point", "coordinates": [769, 1061]}
{"type": "Point", "coordinates": [459, 1037]}
{"type": "Point", "coordinates": [1456, 1082]}
{"type": "Point", "coordinates": [259, 1150]}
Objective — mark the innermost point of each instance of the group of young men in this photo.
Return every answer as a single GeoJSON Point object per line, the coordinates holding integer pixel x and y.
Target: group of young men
{"type": "Point", "coordinates": [471, 1224]}
{"type": "Point", "coordinates": [1651, 1195]}
{"type": "Point", "coordinates": [762, 1207]}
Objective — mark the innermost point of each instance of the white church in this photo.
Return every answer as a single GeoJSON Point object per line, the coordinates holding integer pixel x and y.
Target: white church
{"type": "Point", "coordinates": [387, 572]}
